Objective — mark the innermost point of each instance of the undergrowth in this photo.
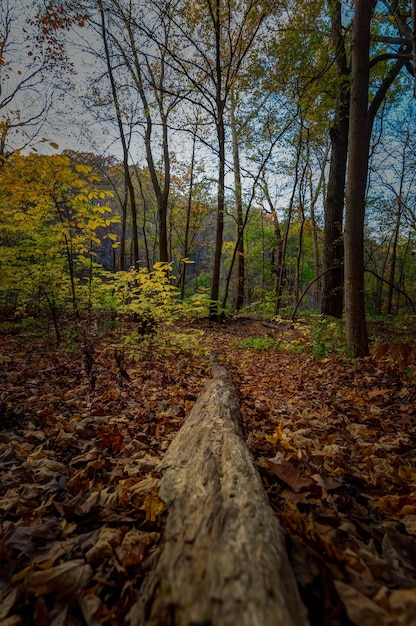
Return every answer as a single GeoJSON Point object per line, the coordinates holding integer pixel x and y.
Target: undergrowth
{"type": "Point", "coordinates": [258, 343]}
{"type": "Point", "coordinates": [326, 337]}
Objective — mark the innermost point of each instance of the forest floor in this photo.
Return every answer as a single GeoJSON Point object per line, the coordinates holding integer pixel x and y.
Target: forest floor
{"type": "Point", "coordinates": [83, 427]}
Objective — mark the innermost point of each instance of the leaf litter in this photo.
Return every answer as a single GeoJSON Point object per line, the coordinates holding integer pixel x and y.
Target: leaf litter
{"type": "Point", "coordinates": [81, 521]}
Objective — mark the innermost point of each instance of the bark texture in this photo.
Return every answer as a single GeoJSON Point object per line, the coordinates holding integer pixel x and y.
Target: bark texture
{"type": "Point", "coordinates": [332, 302]}
{"type": "Point", "coordinates": [223, 562]}
{"type": "Point", "coordinates": [358, 153]}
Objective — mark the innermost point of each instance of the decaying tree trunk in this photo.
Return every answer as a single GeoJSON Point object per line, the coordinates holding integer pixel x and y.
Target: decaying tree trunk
{"type": "Point", "coordinates": [223, 561]}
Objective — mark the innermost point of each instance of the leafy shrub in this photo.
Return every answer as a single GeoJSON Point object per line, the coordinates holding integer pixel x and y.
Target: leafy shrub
{"type": "Point", "coordinates": [195, 307]}
{"type": "Point", "coordinates": [327, 337]}
{"type": "Point", "coordinates": [147, 298]}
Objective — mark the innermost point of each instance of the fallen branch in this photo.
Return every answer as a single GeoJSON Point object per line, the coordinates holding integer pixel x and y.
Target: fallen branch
{"type": "Point", "coordinates": [224, 561]}
{"type": "Point", "coordinates": [285, 324]}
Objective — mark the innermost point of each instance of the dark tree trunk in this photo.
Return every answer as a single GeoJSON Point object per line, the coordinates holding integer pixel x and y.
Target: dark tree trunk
{"type": "Point", "coordinates": [161, 189]}
{"type": "Point", "coordinates": [358, 154]}
{"type": "Point", "coordinates": [164, 198]}
{"type": "Point", "coordinates": [216, 272]}
{"type": "Point", "coordinates": [220, 101]}
{"type": "Point", "coordinates": [333, 250]}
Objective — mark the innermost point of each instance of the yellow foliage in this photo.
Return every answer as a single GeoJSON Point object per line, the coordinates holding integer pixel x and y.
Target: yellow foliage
{"type": "Point", "coordinates": [50, 214]}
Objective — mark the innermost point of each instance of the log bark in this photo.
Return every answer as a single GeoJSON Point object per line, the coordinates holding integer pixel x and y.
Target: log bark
{"type": "Point", "coordinates": [223, 562]}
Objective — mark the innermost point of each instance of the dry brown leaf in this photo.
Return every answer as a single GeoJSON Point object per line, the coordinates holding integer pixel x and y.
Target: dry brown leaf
{"type": "Point", "coordinates": [90, 605]}
{"type": "Point", "coordinates": [135, 546]}
{"type": "Point", "coordinates": [107, 541]}
{"type": "Point", "coordinates": [403, 605]}
{"type": "Point", "coordinates": [397, 506]}
{"type": "Point", "coordinates": [7, 600]}
{"type": "Point", "coordinates": [64, 580]}
{"type": "Point", "coordinates": [289, 474]}
{"type": "Point", "coordinates": [361, 610]}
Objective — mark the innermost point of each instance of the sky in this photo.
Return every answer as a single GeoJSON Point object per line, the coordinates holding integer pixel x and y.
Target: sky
{"type": "Point", "coordinates": [68, 122]}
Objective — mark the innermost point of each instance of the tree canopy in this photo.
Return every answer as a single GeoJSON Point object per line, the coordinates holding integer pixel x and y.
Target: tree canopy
{"type": "Point", "coordinates": [225, 118]}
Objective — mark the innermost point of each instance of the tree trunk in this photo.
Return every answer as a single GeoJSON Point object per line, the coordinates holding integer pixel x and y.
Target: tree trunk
{"type": "Point", "coordinates": [188, 213]}
{"type": "Point", "coordinates": [300, 237]}
{"type": "Point", "coordinates": [127, 176]}
{"type": "Point", "coordinates": [333, 250]}
{"type": "Point", "coordinates": [393, 261]}
{"type": "Point", "coordinates": [216, 272]}
{"type": "Point", "coordinates": [144, 224]}
{"type": "Point", "coordinates": [358, 153]}
{"type": "Point", "coordinates": [220, 102]}
{"type": "Point", "coordinates": [164, 199]}
{"type": "Point", "coordinates": [223, 562]}
{"type": "Point", "coordinates": [314, 195]}
{"type": "Point", "coordinates": [240, 287]}
{"type": "Point", "coordinates": [277, 259]}
{"type": "Point", "coordinates": [122, 249]}
{"type": "Point", "coordinates": [161, 188]}
{"type": "Point", "coordinates": [281, 274]}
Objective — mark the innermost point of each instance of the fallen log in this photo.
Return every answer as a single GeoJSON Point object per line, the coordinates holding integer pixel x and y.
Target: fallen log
{"type": "Point", "coordinates": [223, 562]}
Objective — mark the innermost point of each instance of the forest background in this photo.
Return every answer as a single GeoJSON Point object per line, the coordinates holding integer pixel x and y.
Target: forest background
{"type": "Point", "coordinates": [214, 148]}
{"type": "Point", "coordinates": [236, 161]}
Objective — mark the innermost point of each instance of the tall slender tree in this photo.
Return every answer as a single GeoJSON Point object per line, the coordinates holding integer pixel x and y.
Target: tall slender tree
{"type": "Point", "coordinates": [217, 37]}
{"type": "Point", "coordinates": [239, 298]}
{"type": "Point", "coordinates": [361, 116]}
{"type": "Point", "coordinates": [130, 195]}
{"type": "Point", "coordinates": [143, 75]}
{"type": "Point", "coordinates": [358, 153]}
{"type": "Point", "coordinates": [332, 300]}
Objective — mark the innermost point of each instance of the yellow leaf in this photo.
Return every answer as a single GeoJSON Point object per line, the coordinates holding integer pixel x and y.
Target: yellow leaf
{"type": "Point", "coordinates": [153, 507]}
{"type": "Point", "coordinates": [84, 169]}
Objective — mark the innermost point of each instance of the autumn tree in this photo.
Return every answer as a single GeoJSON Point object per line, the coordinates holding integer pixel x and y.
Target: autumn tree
{"type": "Point", "coordinates": [53, 215]}
{"type": "Point", "coordinates": [255, 134]}
{"type": "Point", "coordinates": [137, 68]}
{"type": "Point", "coordinates": [361, 119]}
{"type": "Point", "coordinates": [322, 77]}
{"type": "Point", "coordinates": [332, 298]}
{"type": "Point", "coordinates": [215, 38]}
{"type": "Point", "coordinates": [129, 191]}
{"type": "Point", "coordinates": [34, 66]}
